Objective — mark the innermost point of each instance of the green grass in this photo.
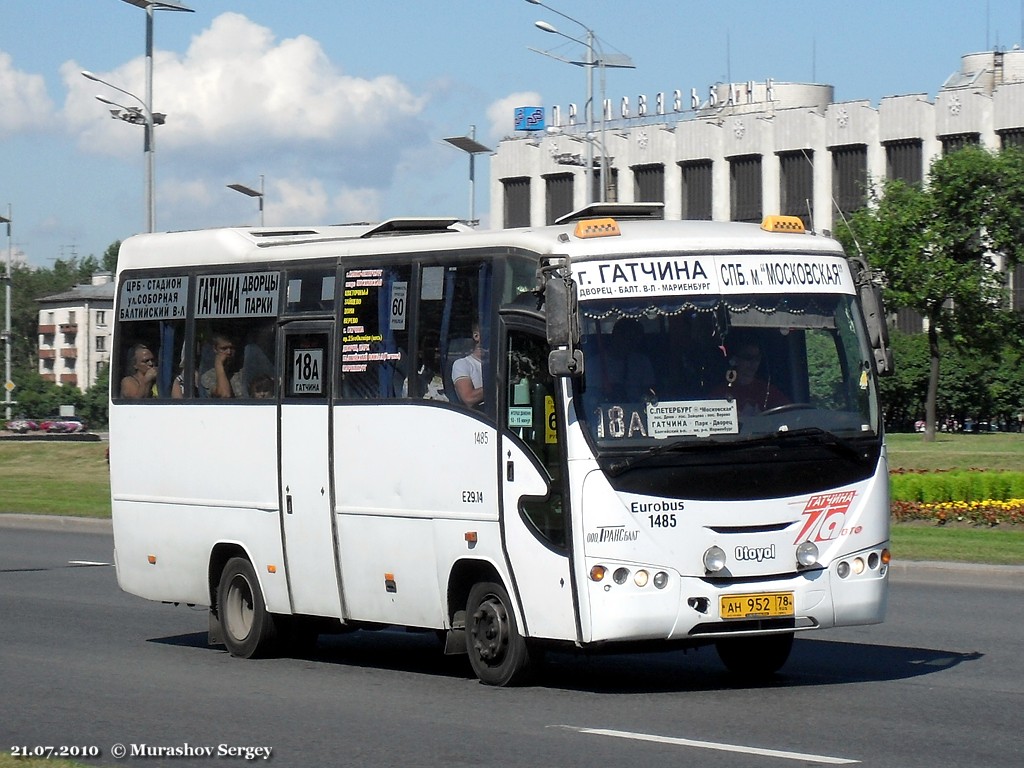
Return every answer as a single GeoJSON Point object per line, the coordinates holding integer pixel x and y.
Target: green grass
{"type": "Point", "coordinates": [956, 544]}
{"type": "Point", "coordinates": [993, 451]}
{"type": "Point", "coordinates": [54, 478]}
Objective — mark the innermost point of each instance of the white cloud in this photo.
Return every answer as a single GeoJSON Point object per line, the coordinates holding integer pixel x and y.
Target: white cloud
{"type": "Point", "coordinates": [238, 96]}
{"type": "Point", "coordinates": [23, 96]}
{"type": "Point", "coordinates": [241, 103]}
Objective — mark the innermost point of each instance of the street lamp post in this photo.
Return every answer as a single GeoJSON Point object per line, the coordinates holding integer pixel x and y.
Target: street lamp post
{"type": "Point", "coordinates": [144, 116]}
{"type": "Point", "coordinates": [251, 193]}
{"type": "Point", "coordinates": [595, 58]}
{"type": "Point", "coordinates": [8, 384]}
{"type": "Point", "coordinates": [471, 147]}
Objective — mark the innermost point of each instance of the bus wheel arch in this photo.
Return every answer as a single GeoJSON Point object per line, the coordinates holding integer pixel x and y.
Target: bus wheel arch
{"type": "Point", "coordinates": [247, 628]}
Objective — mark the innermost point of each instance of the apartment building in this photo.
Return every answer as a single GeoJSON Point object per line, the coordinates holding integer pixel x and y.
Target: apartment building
{"type": "Point", "coordinates": [75, 329]}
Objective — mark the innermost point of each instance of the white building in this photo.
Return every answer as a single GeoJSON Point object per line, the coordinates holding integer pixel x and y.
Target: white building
{"type": "Point", "coordinates": [75, 330]}
{"type": "Point", "coordinates": [748, 149]}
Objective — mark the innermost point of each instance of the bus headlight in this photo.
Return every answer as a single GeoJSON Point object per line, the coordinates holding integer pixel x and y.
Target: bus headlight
{"type": "Point", "coordinates": [807, 554]}
{"type": "Point", "coordinates": [620, 575]}
{"type": "Point", "coordinates": [641, 578]}
{"type": "Point", "coordinates": [714, 559]}
{"type": "Point", "coordinates": [660, 579]}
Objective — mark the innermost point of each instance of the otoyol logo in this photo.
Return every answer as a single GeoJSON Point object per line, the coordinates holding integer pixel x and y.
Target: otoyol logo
{"type": "Point", "coordinates": [755, 553]}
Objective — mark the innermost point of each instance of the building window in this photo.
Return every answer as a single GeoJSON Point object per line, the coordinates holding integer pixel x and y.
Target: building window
{"type": "Point", "coordinates": [649, 183]}
{"type": "Point", "coordinates": [517, 202]}
{"type": "Point", "coordinates": [909, 320]}
{"type": "Point", "coordinates": [1017, 288]}
{"type": "Point", "coordinates": [797, 185]}
{"type": "Point", "coordinates": [71, 317]}
{"type": "Point", "coordinates": [745, 188]}
{"type": "Point", "coordinates": [101, 318]}
{"type": "Point", "coordinates": [101, 343]}
{"type": "Point", "coordinates": [1011, 137]}
{"type": "Point", "coordinates": [904, 161]}
{"type": "Point", "coordinates": [611, 191]}
{"type": "Point", "coordinates": [696, 190]}
{"type": "Point", "coordinates": [849, 178]}
{"type": "Point", "coordinates": [956, 141]}
{"type": "Point", "coordinates": [559, 196]}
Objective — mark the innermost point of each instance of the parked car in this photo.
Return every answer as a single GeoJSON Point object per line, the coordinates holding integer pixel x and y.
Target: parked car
{"type": "Point", "coordinates": [22, 426]}
{"type": "Point", "coordinates": [65, 425]}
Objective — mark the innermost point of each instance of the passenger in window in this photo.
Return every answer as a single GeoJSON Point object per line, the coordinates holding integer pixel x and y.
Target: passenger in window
{"type": "Point", "coordinates": [141, 382]}
{"type": "Point", "coordinates": [744, 383]}
{"type": "Point", "coordinates": [468, 373]}
{"type": "Point", "coordinates": [224, 379]}
{"type": "Point", "coordinates": [261, 387]}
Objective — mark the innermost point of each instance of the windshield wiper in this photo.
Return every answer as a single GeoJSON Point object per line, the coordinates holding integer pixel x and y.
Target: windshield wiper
{"type": "Point", "coordinates": [816, 435]}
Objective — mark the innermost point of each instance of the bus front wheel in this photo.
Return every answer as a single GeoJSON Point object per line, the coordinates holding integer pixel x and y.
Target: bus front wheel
{"type": "Point", "coordinates": [248, 629]}
{"type": "Point", "coordinates": [755, 656]}
{"type": "Point", "coordinates": [497, 650]}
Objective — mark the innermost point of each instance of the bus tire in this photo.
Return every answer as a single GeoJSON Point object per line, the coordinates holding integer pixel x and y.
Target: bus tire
{"type": "Point", "coordinates": [248, 629]}
{"type": "Point", "coordinates": [755, 657]}
{"type": "Point", "coordinates": [497, 650]}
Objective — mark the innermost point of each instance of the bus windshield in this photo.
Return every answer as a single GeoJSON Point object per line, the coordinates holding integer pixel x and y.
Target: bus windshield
{"type": "Point", "coordinates": [724, 368]}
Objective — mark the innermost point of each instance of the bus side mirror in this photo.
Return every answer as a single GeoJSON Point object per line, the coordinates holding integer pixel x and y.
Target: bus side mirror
{"type": "Point", "coordinates": [878, 330]}
{"type": "Point", "coordinates": [561, 313]}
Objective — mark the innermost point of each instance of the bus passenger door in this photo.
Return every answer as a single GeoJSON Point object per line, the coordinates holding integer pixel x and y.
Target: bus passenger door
{"type": "Point", "coordinates": [307, 519]}
{"type": "Point", "coordinates": [534, 505]}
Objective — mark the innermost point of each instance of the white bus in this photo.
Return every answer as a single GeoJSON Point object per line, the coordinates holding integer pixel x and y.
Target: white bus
{"type": "Point", "coordinates": [612, 430]}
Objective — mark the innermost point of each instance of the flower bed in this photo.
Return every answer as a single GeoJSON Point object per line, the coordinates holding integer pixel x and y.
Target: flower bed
{"type": "Point", "coordinates": [970, 496]}
{"type": "Point", "coordinates": [988, 512]}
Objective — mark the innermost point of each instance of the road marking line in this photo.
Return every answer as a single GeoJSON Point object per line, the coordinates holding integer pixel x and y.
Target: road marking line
{"type": "Point", "coordinates": [826, 759]}
{"type": "Point", "coordinates": [86, 562]}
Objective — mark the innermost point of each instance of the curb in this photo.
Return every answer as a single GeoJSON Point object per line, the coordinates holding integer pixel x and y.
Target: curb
{"type": "Point", "coordinates": [56, 523]}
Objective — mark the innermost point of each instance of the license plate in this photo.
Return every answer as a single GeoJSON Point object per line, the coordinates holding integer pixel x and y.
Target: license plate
{"type": "Point", "coordinates": [759, 605]}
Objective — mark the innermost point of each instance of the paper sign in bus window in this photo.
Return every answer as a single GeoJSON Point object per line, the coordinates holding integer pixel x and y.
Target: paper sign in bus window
{"type": "Point", "coordinates": [307, 372]}
{"type": "Point", "coordinates": [692, 417]}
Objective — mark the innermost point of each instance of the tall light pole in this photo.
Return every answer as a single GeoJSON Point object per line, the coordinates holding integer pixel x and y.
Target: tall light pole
{"type": "Point", "coordinates": [471, 147]}
{"type": "Point", "coordinates": [8, 384]}
{"type": "Point", "coordinates": [595, 58]}
{"type": "Point", "coordinates": [251, 193]}
{"type": "Point", "coordinates": [145, 117]}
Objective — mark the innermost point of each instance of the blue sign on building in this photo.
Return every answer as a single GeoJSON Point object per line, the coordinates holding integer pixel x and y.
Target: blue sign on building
{"type": "Point", "coordinates": [529, 118]}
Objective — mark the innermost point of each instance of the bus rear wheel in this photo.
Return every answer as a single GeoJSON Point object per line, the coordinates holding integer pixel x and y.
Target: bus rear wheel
{"type": "Point", "coordinates": [755, 656]}
{"type": "Point", "coordinates": [497, 650]}
{"type": "Point", "coordinates": [248, 629]}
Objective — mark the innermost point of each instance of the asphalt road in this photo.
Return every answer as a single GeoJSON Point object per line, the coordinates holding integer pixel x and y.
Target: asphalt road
{"type": "Point", "coordinates": [941, 683]}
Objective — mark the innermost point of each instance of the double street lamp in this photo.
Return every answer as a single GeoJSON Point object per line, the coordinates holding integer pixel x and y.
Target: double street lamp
{"type": "Point", "coordinates": [143, 115]}
{"type": "Point", "coordinates": [595, 58]}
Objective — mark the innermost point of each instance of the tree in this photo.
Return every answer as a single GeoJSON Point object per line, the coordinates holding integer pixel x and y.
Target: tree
{"type": "Point", "coordinates": [937, 247]}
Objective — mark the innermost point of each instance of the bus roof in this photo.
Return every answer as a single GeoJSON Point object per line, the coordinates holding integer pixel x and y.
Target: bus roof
{"type": "Point", "coordinates": [610, 236]}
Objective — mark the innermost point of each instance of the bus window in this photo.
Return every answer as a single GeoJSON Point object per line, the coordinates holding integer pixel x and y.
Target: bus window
{"type": "Point", "coordinates": [151, 334]}
{"type": "Point", "coordinates": [310, 290]}
{"type": "Point", "coordinates": [374, 333]}
{"type": "Point", "coordinates": [454, 333]}
{"type": "Point", "coordinates": [235, 359]}
{"type": "Point", "coordinates": [531, 415]}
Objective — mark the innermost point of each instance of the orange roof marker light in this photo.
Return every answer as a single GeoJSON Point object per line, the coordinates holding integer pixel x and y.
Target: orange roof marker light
{"type": "Point", "coordinates": [783, 224]}
{"type": "Point", "coordinates": [597, 228]}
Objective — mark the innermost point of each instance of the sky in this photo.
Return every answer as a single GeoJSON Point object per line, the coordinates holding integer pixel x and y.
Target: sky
{"type": "Point", "coordinates": [342, 106]}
